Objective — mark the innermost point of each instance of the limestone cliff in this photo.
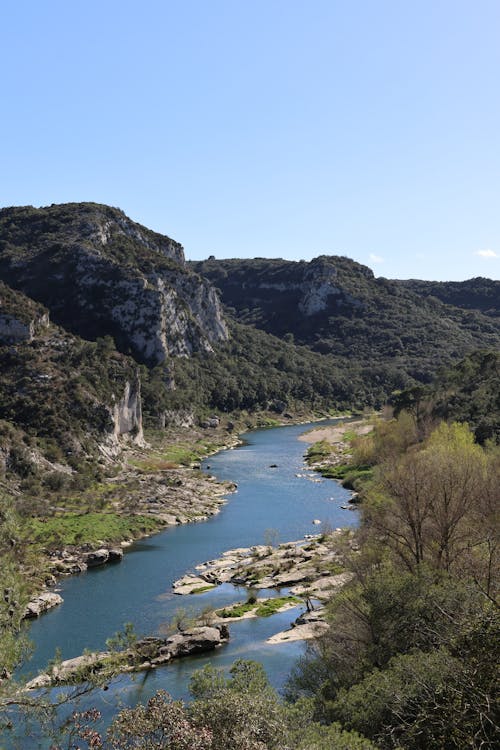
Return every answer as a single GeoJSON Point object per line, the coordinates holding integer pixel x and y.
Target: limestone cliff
{"type": "Point", "coordinates": [127, 412]}
{"type": "Point", "coordinates": [100, 273]}
{"type": "Point", "coordinates": [61, 398]}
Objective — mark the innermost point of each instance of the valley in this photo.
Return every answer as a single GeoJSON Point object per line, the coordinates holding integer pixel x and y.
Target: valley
{"type": "Point", "coordinates": [154, 421]}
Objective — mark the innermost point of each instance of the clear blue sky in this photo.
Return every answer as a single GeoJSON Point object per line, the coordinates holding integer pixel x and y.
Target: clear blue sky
{"type": "Point", "coordinates": [280, 128]}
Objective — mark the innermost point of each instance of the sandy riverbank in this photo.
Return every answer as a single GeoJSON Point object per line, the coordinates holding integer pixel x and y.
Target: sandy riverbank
{"type": "Point", "coordinates": [335, 433]}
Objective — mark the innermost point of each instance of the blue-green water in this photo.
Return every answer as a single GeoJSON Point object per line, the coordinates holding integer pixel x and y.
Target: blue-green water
{"type": "Point", "coordinates": [138, 590]}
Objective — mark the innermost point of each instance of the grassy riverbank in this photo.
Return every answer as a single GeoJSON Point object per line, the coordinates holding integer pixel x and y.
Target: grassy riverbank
{"type": "Point", "coordinates": [335, 453]}
{"type": "Point", "coordinates": [89, 528]}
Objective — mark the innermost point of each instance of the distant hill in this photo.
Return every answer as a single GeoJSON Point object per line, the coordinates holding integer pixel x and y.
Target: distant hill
{"type": "Point", "coordinates": [336, 306]}
{"type": "Point", "coordinates": [104, 329]}
{"type": "Point", "coordinates": [475, 294]}
{"type": "Point", "coordinates": [102, 325]}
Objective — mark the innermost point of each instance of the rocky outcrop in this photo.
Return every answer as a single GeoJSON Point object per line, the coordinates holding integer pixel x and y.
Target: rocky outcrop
{"type": "Point", "coordinates": [100, 273]}
{"type": "Point", "coordinates": [319, 285]}
{"type": "Point", "coordinates": [172, 496]}
{"type": "Point", "coordinates": [308, 625]}
{"type": "Point", "coordinates": [147, 653]}
{"type": "Point", "coordinates": [177, 418]}
{"type": "Point", "coordinates": [196, 640]}
{"type": "Point", "coordinates": [127, 413]}
{"type": "Point", "coordinates": [76, 560]}
{"type": "Point", "coordinates": [21, 319]}
{"type": "Point", "coordinates": [70, 670]}
{"type": "Point", "coordinates": [41, 604]}
{"type": "Point", "coordinates": [213, 421]}
{"type": "Point", "coordinates": [312, 565]}
{"type": "Point", "coordinates": [96, 558]}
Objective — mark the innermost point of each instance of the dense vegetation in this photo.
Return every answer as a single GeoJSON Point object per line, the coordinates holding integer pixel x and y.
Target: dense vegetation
{"type": "Point", "coordinates": [468, 392]}
{"type": "Point", "coordinates": [254, 370]}
{"type": "Point", "coordinates": [409, 661]}
{"type": "Point", "coordinates": [372, 322]}
{"type": "Point", "coordinates": [475, 294]}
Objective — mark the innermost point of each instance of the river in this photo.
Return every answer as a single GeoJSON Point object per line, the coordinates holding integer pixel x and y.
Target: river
{"type": "Point", "coordinates": [138, 590]}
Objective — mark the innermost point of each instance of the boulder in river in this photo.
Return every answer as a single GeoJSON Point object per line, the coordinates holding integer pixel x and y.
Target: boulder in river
{"type": "Point", "coordinates": [41, 604]}
{"type": "Point", "coordinates": [197, 640]}
{"type": "Point", "coordinates": [115, 554]}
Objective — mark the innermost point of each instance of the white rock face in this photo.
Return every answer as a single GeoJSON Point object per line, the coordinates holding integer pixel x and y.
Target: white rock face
{"type": "Point", "coordinates": [318, 287]}
{"type": "Point", "coordinates": [127, 413]}
{"type": "Point", "coordinates": [178, 418]}
{"type": "Point", "coordinates": [100, 229]}
{"type": "Point", "coordinates": [161, 314]}
{"type": "Point", "coordinates": [116, 278]}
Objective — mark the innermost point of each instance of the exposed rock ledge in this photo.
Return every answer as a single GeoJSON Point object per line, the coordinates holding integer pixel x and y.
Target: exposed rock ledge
{"type": "Point", "coordinates": [308, 625]}
{"type": "Point", "coordinates": [170, 496]}
{"type": "Point", "coordinates": [312, 566]}
{"type": "Point", "coordinates": [147, 653]}
{"type": "Point", "coordinates": [73, 560]}
{"type": "Point", "coordinates": [41, 603]}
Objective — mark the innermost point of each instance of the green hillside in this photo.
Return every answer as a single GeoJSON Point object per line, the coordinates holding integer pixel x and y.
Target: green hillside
{"type": "Point", "coordinates": [468, 392]}
{"type": "Point", "coordinates": [336, 306]}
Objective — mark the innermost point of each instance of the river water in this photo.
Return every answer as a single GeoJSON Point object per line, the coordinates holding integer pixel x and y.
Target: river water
{"type": "Point", "coordinates": [99, 602]}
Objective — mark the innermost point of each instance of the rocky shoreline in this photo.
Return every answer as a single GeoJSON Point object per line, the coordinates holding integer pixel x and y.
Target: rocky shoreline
{"type": "Point", "coordinates": [171, 497]}
{"type": "Point", "coordinates": [147, 653]}
{"type": "Point", "coordinates": [181, 495]}
{"type": "Point", "coordinates": [311, 568]}
{"type": "Point", "coordinates": [146, 486]}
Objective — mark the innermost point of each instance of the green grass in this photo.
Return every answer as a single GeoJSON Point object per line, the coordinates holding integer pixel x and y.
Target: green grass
{"type": "Point", "coordinates": [335, 568]}
{"type": "Point", "coordinates": [319, 451]}
{"type": "Point", "coordinates": [177, 454]}
{"type": "Point", "coordinates": [202, 589]}
{"type": "Point", "coordinates": [265, 609]}
{"type": "Point", "coordinates": [237, 611]}
{"type": "Point", "coordinates": [350, 476]}
{"type": "Point", "coordinates": [264, 421]}
{"type": "Point", "coordinates": [91, 528]}
{"type": "Point", "coordinates": [272, 605]}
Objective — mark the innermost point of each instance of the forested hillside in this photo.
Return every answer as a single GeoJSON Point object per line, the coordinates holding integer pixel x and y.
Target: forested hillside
{"type": "Point", "coordinates": [409, 658]}
{"type": "Point", "coordinates": [334, 305]}
{"type": "Point", "coordinates": [98, 311]}
{"type": "Point", "coordinates": [475, 294]}
{"type": "Point", "coordinates": [468, 392]}
{"type": "Point", "coordinates": [108, 340]}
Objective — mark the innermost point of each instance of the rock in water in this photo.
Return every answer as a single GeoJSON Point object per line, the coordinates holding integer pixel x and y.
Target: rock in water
{"type": "Point", "coordinates": [41, 604]}
{"type": "Point", "coordinates": [97, 557]}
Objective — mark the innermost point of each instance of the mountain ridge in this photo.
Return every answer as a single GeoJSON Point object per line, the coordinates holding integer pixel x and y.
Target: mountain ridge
{"type": "Point", "coordinates": [102, 274]}
{"type": "Point", "coordinates": [335, 305]}
{"type": "Point", "coordinates": [94, 302]}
